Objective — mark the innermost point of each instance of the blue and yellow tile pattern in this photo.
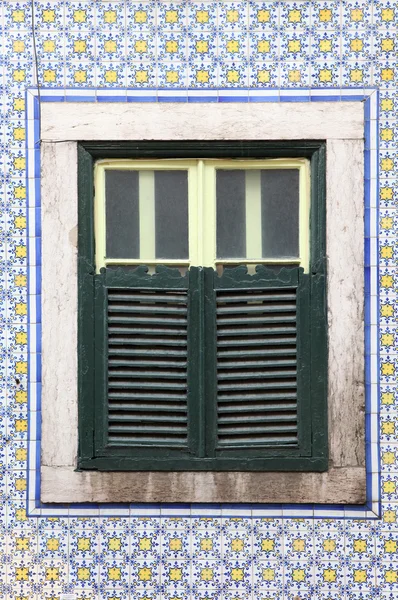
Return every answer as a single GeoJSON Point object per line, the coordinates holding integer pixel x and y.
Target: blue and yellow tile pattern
{"type": "Point", "coordinates": [209, 51]}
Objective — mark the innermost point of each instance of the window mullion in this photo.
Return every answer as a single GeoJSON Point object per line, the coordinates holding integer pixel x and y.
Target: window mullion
{"type": "Point", "coordinates": [208, 237]}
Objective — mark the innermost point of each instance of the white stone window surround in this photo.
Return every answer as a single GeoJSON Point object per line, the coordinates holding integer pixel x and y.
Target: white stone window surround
{"type": "Point", "coordinates": [341, 125]}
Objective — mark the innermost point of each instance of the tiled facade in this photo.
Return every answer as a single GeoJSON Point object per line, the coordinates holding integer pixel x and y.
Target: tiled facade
{"type": "Point", "coordinates": [236, 51]}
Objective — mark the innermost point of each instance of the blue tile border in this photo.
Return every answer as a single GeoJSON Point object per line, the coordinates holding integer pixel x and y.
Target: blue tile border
{"type": "Point", "coordinates": [372, 508]}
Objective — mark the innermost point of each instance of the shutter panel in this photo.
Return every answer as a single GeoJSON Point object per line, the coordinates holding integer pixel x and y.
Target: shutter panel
{"type": "Point", "coordinates": [147, 366]}
{"type": "Point", "coordinates": [262, 360]}
{"type": "Point", "coordinates": [257, 366]}
{"type": "Point", "coordinates": [143, 351]}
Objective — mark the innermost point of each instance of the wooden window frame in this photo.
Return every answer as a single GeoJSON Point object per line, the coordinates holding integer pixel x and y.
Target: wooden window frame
{"type": "Point", "coordinates": [313, 456]}
{"type": "Point", "coordinates": [202, 215]}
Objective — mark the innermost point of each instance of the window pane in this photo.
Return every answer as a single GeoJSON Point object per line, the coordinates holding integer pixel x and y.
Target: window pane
{"type": "Point", "coordinates": [280, 212]}
{"type": "Point", "coordinates": [257, 213]}
{"type": "Point", "coordinates": [230, 200]}
{"type": "Point", "coordinates": [122, 223]}
{"type": "Point", "coordinates": [171, 214]}
{"type": "Point", "coordinates": [147, 214]}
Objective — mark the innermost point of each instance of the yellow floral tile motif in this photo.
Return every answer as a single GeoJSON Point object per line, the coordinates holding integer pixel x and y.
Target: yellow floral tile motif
{"type": "Point", "coordinates": [298, 545]}
{"type": "Point", "coordinates": [298, 575]}
{"type": "Point", "coordinates": [237, 545]}
{"type": "Point", "coordinates": [360, 545]}
{"type": "Point", "coordinates": [22, 544]}
{"type": "Point", "coordinates": [145, 543]}
{"type": "Point", "coordinates": [175, 544]}
{"type": "Point", "coordinates": [114, 544]}
{"type": "Point", "coordinates": [52, 544]}
{"type": "Point", "coordinates": [206, 544]}
{"type": "Point", "coordinates": [21, 454]}
{"type": "Point", "coordinates": [387, 398]}
{"type": "Point", "coordinates": [268, 574]}
{"type": "Point", "coordinates": [114, 574]}
{"type": "Point", "coordinates": [145, 574]}
{"type": "Point", "coordinates": [389, 487]}
{"type": "Point", "coordinates": [388, 457]}
{"type": "Point", "coordinates": [390, 546]}
{"type": "Point", "coordinates": [326, 44]}
{"type": "Point", "coordinates": [206, 574]}
{"type": "Point", "coordinates": [18, 16]}
{"type": "Point", "coordinates": [360, 575]}
{"type": "Point", "coordinates": [237, 574]}
{"type": "Point", "coordinates": [390, 516]}
{"type": "Point", "coordinates": [83, 544]}
{"type": "Point", "coordinates": [175, 574]}
{"type": "Point", "coordinates": [329, 575]}
{"type": "Point", "coordinates": [22, 574]}
{"type": "Point", "coordinates": [387, 368]}
{"type": "Point", "coordinates": [52, 574]}
{"type": "Point", "coordinates": [325, 15]}
{"type": "Point", "coordinates": [140, 16]}
{"type": "Point", "coordinates": [329, 545]}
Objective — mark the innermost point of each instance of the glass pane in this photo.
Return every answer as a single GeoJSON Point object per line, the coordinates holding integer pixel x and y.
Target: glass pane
{"type": "Point", "coordinates": [257, 213]}
{"type": "Point", "coordinates": [122, 210]}
{"type": "Point", "coordinates": [147, 214]}
{"type": "Point", "coordinates": [230, 201]}
{"type": "Point", "coordinates": [280, 212]}
{"type": "Point", "coordinates": [171, 214]}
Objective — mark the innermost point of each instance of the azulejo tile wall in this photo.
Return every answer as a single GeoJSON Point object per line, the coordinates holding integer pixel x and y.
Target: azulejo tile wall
{"type": "Point", "coordinates": [209, 51]}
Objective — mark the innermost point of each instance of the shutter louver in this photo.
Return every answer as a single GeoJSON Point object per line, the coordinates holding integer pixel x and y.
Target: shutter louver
{"type": "Point", "coordinates": [256, 367]}
{"type": "Point", "coordinates": [147, 367]}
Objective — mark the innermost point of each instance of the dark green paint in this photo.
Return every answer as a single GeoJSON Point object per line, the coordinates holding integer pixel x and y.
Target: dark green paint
{"type": "Point", "coordinates": [202, 450]}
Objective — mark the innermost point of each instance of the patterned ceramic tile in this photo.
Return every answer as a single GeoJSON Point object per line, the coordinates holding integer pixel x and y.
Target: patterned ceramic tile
{"type": "Point", "coordinates": [330, 48]}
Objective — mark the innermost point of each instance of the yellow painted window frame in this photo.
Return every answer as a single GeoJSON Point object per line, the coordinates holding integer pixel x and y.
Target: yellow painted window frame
{"type": "Point", "coordinates": [201, 209]}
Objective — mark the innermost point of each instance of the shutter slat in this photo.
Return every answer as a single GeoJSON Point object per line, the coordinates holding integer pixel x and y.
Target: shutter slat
{"type": "Point", "coordinates": [274, 319]}
{"type": "Point", "coordinates": [141, 428]}
{"type": "Point", "coordinates": [253, 428]}
{"type": "Point", "coordinates": [144, 395]}
{"type": "Point", "coordinates": [148, 341]}
{"type": "Point", "coordinates": [156, 297]}
{"type": "Point", "coordinates": [258, 364]}
{"type": "Point", "coordinates": [136, 374]}
{"type": "Point", "coordinates": [157, 419]}
{"type": "Point", "coordinates": [149, 408]}
{"type": "Point", "coordinates": [270, 340]}
{"type": "Point", "coordinates": [145, 331]}
{"type": "Point", "coordinates": [259, 397]}
{"type": "Point", "coordinates": [147, 367]}
{"type": "Point", "coordinates": [254, 418]}
{"type": "Point", "coordinates": [249, 308]}
{"type": "Point", "coordinates": [258, 385]}
{"type": "Point", "coordinates": [234, 374]}
{"type": "Point", "coordinates": [117, 362]}
{"type": "Point", "coordinates": [244, 408]}
{"type": "Point", "coordinates": [257, 297]}
{"type": "Point", "coordinates": [118, 439]}
{"type": "Point", "coordinates": [155, 353]}
{"type": "Point", "coordinates": [257, 353]}
{"type": "Point", "coordinates": [141, 308]}
{"type": "Point", "coordinates": [142, 385]}
{"type": "Point", "coordinates": [256, 367]}
{"type": "Point", "coordinates": [269, 439]}
{"type": "Point", "coordinates": [148, 320]}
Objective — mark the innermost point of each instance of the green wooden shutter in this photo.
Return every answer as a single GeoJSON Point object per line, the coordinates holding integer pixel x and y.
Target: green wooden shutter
{"type": "Point", "coordinates": [147, 366]}
{"type": "Point", "coordinates": [262, 355]}
{"type": "Point", "coordinates": [143, 362]}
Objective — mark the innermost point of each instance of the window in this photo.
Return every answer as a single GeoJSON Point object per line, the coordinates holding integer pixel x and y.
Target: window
{"type": "Point", "coordinates": [203, 309]}
{"type": "Point", "coordinates": [63, 154]}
